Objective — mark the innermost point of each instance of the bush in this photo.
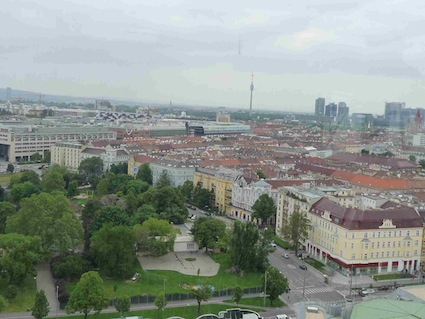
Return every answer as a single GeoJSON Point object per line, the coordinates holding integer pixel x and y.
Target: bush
{"type": "Point", "coordinates": [11, 292]}
{"type": "Point", "coordinates": [70, 267]}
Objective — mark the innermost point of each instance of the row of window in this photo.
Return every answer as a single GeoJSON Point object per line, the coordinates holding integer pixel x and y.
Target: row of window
{"type": "Point", "coordinates": [383, 254]}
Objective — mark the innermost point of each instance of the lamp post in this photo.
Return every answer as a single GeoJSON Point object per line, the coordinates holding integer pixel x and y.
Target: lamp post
{"type": "Point", "coordinates": [163, 308]}
{"type": "Point", "coordinates": [265, 288]}
{"type": "Point", "coordinates": [57, 301]}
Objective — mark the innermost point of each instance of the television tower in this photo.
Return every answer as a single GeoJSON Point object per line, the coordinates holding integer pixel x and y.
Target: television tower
{"type": "Point", "coordinates": [252, 89]}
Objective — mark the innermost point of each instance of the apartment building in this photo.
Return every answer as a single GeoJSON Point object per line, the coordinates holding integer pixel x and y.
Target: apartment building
{"type": "Point", "coordinates": [219, 182]}
{"type": "Point", "coordinates": [18, 143]}
{"type": "Point", "coordinates": [301, 198]}
{"type": "Point", "coordinates": [370, 241]}
{"type": "Point", "coordinates": [110, 155]}
{"type": "Point", "coordinates": [67, 154]}
{"type": "Point", "coordinates": [178, 171]}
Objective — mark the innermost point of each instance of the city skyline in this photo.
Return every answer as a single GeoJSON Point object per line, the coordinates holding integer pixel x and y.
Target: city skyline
{"type": "Point", "coordinates": [363, 54]}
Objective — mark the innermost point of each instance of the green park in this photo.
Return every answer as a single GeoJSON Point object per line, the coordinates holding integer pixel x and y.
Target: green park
{"type": "Point", "coordinates": [95, 231]}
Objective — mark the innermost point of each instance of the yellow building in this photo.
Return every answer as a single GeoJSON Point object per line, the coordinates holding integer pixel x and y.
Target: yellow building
{"type": "Point", "coordinates": [135, 162]}
{"type": "Point", "coordinates": [387, 239]}
{"type": "Point", "coordinates": [220, 183]}
{"type": "Point", "coordinates": [67, 154]}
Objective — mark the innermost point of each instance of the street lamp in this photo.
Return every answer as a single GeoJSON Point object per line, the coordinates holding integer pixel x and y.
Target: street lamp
{"type": "Point", "coordinates": [57, 301]}
{"type": "Point", "coordinates": [265, 288]}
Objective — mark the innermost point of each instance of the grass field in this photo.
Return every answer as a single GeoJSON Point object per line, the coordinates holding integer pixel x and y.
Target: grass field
{"type": "Point", "coordinates": [281, 243]}
{"type": "Point", "coordinates": [391, 276]}
{"type": "Point", "coordinates": [315, 264]}
{"type": "Point", "coordinates": [25, 297]}
{"type": "Point", "coordinates": [5, 178]}
{"type": "Point", "coordinates": [259, 302]}
{"type": "Point", "coordinates": [151, 282]}
{"type": "Point", "coordinates": [188, 312]}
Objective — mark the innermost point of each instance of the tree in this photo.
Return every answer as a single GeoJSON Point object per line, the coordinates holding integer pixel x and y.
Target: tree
{"type": "Point", "coordinates": [422, 163]}
{"type": "Point", "coordinates": [3, 303]}
{"type": "Point", "coordinates": [113, 250]}
{"type": "Point", "coordinates": [89, 294]}
{"type": "Point", "coordinates": [276, 283]}
{"type": "Point", "coordinates": [201, 196]}
{"type": "Point", "coordinates": [122, 305]}
{"type": "Point", "coordinates": [260, 174]}
{"type": "Point", "coordinates": [202, 293]}
{"type": "Point", "coordinates": [208, 231]}
{"type": "Point", "coordinates": [160, 302]}
{"type": "Point", "coordinates": [187, 190]}
{"type": "Point", "coordinates": [365, 151]}
{"type": "Point", "coordinates": [10, 168]}
{"type": "Point", "coordinates": [87, 217]}
{"type": "Point", "coordinates": [29, 176]}
{"type": "Point", "coordinates": [137, 186]}
{"type": "Point", "coordinates": [6, 209]}
{"type": "Point", "coordinates": [73, 189]}
{"type": "Point", "coordinates": [248, 249]}
{"type": "Point", "coordinates": [121, 168]}
{"type": "Point", "coordinates": [53, 181]}
{"type": "Point", "coordinates": [156, 236]}
{"type": "Point", "coordinates": [145, 173]}
{"type": "Point", "coordinates": [264, 208]}
{"type": "Point", "coordinates": [237, 294]}
{"type": "Point", "coordinates": [167, 201]}
{"type": "Point", "coordinates": [114, 215]}
{"type": "Point", "coordinates": [20, 255]}
{"type": "Point", "coordinates": [412, 158]}
{"type": "Point", "coordinates": [296, 230]}
{"type": "Point", "coordinates": [36, 157]}
{"type": "Point", "coordinates": [49, 216]}
{"type": "Point", "coordinates": [41, 305]}
{"type": "Point", "coordinates": [23, 190]}
{"type": "Point", "coordinates": [163, 180]}
{"type": "Point", "coordinates": [91, 170]}
{"type": "Point", "coordinates": [143, 213]}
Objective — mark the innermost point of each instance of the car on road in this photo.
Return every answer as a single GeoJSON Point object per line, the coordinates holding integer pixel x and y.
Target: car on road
{"type": "Point", "coordinates": [385, 287]}
{"type": "Point", "coordinates": [366, 291]}
{"type": "Point", "coordinates": [273, 245]}
{"type": "Point", "coordinates": [283, 316]}
{"type": "Point", "coordinates": [303, 267]}
{"type": "Point", "coordinates": [286, 256]}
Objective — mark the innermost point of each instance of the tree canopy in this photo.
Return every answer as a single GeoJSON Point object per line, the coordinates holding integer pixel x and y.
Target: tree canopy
{"type": "Point", "coordinates": [202, 293]}
{"type": "Point", "coordinates": [6, 209]}
{"type": "Point", "coordinates": [23, 190]}
{"type": "Point", "coordinates": [113, 250]}
{"type": "Point", "coordinates": [50, 217]}
{"type": "Point", "coordinates": [114, 215]}
{"type": "Point", "coordinates": [296, 230]}
{"type": "Point", "coordinates": [91, 170]}
{"type": "Point", "coordinates": [163, 180]}
{"type": "Point", "coordinates": [248, 248]}
{"type": "Point", "coordinates": [145, 173]}
{"type": "Point", "coordinates": [264, 208]}
{"type": "Point", "coordinates": [208, 231]}
{"type": "Point", "coordinates": [40, 308]}
{"type": "Point", "coordinates": [89, 294]}
{"type": "Point", "coordinates": [276, 283]}
{"type": "Point", "coordinates": [20, 256]}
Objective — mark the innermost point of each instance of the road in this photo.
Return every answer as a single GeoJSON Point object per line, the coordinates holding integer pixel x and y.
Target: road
{"type": "Point", "coordinates": [305, 284]}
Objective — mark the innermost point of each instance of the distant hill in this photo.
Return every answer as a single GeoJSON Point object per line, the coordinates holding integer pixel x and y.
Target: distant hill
{"type": "Point", "coordinates": [34, 96]}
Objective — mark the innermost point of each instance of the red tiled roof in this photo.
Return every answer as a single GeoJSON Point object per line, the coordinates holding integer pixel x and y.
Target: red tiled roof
{"type": "Point", "coordinates": [351, 218]}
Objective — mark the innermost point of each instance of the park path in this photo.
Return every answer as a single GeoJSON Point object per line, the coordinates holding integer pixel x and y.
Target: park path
{"type": "Point", "coordinates": [45, 282]}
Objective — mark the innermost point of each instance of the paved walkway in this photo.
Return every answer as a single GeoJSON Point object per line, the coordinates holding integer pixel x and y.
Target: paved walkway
{"type": "Point", "coordinates": [45, 282]}
{"type": "Point", "coordinates": [178, 262]}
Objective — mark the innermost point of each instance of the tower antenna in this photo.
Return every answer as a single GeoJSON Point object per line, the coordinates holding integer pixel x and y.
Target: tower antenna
{"type": "Point", "coordinates": [252, 89]}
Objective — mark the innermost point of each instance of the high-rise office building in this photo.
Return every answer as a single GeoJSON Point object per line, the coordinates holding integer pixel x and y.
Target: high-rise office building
{"type": "Point", "coordinates": [319, 108]}
{"type": "Point", "coordinates": [331, 110]}
{"type": "Point", "coordinates": [343, 113]}
{"type": "Point", "coordinates": [393, 113]}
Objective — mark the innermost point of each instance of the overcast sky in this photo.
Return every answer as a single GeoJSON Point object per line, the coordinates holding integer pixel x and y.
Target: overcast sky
{"type": "Point", "coordinates": [362, 52]}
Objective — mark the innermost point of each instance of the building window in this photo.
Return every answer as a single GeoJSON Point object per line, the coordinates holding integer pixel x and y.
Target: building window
{"type": "Point", "coordinates": [365, 256]}
{"type": "Point", "coordinates": [373, 245]}
{"type": "Point", "coordinates": [382, 254]}
{"type": "Point", "coordinates": [408, 243]}
{"type": "Point", "coordinates": [379, 234]}
{"type": "Point", "coordinates": [408, 233]}
{"type": "Point", "coordinates": [353, 256]}
{"type": "Point", "coordinates": [371, 255]}
{"type": "Point", "coordinates": [352, 245]}
{"type": "Point", "coordinates": [365, 235]}
{"type": "Point", "coordinates": [388, 254]}
{"type": "Point", "coordinates": [417, 232]}
{"type": "Point", "coordinates": [377, 244]}
{"type": "Point", "coordinates": [415, 253]}
{"type": "Point", "coordinates": [383, 245]}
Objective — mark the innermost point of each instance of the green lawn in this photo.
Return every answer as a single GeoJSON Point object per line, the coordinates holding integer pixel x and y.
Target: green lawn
{"type": "Point", "coordinates": [5, 178]}
{"type": "Point", "coordinates": [188, 312]}
{"type": "Point", "coordinates": [151, 282]}
{"type": "Point", "coordinates": [25, 297]}
{"type": "Point", "coordinates": [259, 302]}
{"type": "Point", "coordinates": [391, 276]}
{"type": "Point", "coordinates": [315, 264]}
{"type": "Point", "coordinates": [281, 243]}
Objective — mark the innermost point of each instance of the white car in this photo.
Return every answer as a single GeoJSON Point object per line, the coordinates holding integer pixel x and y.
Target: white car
{"type": "Point", "coordinates": [283, 316]}
{"type": "Point", "coordinates": [286, 256]}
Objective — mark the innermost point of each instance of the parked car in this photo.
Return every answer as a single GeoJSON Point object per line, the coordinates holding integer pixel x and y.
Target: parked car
{"type": "Point", "coordinates": [366, 291]}
{"type": "Point", "coordinates": [385, 287]}
{"type": "Point", "coordinates": [303, 267]}
{"type": "Point", "coordinates": [273, 245]}
{"type": "Point", "coordinates": [286, 256]}
{"type": "Point", "coordinates": [283, 316]}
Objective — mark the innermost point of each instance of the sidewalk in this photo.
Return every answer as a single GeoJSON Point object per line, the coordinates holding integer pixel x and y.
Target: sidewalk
{"type": "Point", "coordinates": [45, 282]}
